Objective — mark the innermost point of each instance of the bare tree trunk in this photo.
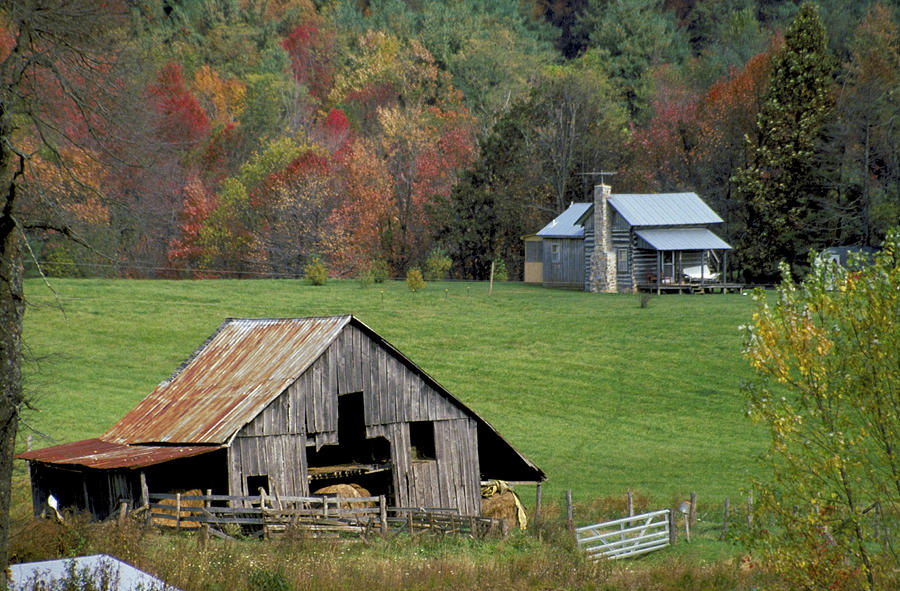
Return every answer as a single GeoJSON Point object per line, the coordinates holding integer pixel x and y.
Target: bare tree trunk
{"type": "Point", "coordinates": [12, 309]}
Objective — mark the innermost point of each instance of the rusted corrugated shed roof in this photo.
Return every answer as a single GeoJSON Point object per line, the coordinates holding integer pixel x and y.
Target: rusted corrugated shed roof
{"type": "Point", "coordinates": [96, 453]}
{"type": "Point", "coordinates": [245, 365]}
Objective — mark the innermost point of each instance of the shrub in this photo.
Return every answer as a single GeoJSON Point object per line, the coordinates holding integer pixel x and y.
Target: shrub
{"type": "Point", "coordinates": [380, 270]}
{"type": "Point", "coordinates": [364, 277]}
{"type": "Point", "coordinates": [262, 579]}
{"type": "Point", "coordinates": [500, 272]}
{"type": "Point", "coordinates": [437, 265]}
{"type": "Point", "coordinates": [58, 262]}
{"type": "Point", "coordinates": [315, 271]}
{"type": "Point", "coordinates": [414, 280]}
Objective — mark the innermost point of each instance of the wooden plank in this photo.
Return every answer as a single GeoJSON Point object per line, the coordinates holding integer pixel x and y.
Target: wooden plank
{"type": "Point", "coordinates": [330, 389]}
{"type": "Point", "coordinates": [387, 416]}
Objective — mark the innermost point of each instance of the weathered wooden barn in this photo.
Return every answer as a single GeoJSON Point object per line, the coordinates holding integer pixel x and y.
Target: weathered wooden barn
{"type": "Point", "coordinates": [289, 405]}
{"type": "Point", "coordinates": [626, 242]}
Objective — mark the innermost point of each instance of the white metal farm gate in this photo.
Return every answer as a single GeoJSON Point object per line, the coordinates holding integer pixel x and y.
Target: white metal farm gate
{"type": "Point", "coordinates": [629, 536]}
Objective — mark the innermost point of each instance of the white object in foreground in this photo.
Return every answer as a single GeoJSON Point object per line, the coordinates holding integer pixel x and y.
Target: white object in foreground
{"type": "Point", "coordinates": [54, 574]}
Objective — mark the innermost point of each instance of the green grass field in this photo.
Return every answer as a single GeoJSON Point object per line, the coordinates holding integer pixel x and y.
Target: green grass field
{"type": "Point", "coordinates": [602, 394]}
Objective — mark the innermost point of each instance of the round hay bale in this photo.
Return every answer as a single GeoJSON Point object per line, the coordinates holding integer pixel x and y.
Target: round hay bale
{"type": "Point", "coordinates": [346, 491]}
{"type": "Point", "coordinates": [501, 506]}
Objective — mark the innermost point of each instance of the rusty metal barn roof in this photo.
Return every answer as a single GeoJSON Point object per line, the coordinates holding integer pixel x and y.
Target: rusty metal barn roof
{"type": "Point", "coordinates": [96, 453]}
{"type": "Point", "coordinates": [230, 379]}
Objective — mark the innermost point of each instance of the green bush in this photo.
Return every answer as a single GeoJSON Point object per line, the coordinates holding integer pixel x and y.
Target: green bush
{"type": "Point", "coordinates": [437, 265]}
{"type": "Point", "coordinates": [262, 579]}
{"type": "Point", "coordinates": [58, 262]}
{"type": "Point", "coordinates": [414, 280]}
{"type": "Point", "coordinates": [364, 277]}
{"type": "Point", "coordinates": [500, 272]}
{"type": "Point", "coordinates": [315, 271]}
{"type": "Point", "coordinates": [380, 270]}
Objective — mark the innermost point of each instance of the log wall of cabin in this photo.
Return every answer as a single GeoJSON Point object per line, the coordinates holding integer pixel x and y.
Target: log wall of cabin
{"type": "Point", "coordinates": [394, 395]}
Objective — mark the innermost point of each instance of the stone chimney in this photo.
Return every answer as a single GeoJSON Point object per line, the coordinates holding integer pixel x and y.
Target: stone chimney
{"type": "Point", "coordinates": [603, 257]}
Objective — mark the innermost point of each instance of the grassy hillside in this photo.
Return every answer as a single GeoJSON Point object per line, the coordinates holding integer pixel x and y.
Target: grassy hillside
{"type": "Point", "coordinates": [601, 393]}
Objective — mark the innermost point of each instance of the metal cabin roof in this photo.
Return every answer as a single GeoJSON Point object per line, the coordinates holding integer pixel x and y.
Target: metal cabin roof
{"type": "Point", "coordinates": [565, 224]}
{"type": "Point", "coordinates": [663, 209]}
{"type": "Point", "coordinates": [96, 453]}
{"type": "Point", "coordinates": [245, 365]}
{"type": "Point", "coordinates": [682, 239]}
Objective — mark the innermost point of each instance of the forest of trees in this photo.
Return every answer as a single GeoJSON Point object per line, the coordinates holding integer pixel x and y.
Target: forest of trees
{"type": "Point", "coordinates": [242, 138]}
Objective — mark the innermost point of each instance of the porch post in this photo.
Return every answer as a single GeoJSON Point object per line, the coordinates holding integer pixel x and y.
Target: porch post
{"type": "Point", "coordinates": [658, 272]}
{"type": "Point", "coordinates": [702, 267]}
{"type": "Point", "coordinates": [724, 269]}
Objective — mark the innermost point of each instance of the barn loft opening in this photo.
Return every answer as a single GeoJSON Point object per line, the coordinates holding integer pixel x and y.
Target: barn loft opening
{"type": "Point", "coordinates": [355, 459]}
{"type": "Point", "coordinates": [421, 440]}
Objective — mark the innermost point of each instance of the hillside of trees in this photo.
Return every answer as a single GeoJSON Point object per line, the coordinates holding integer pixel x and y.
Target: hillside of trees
{"type": "Point", "coordinates": [243, 138]}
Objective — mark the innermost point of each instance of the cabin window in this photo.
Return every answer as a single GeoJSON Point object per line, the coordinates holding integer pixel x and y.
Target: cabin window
{"type": "Point", "coordinates": [622, 259]}
{"type": "Point", "coordinates": [254, 483]}
{"type": "Point", "coordinates": [554, 252]}
{"type": "Point", "coordinates": [421, 440]}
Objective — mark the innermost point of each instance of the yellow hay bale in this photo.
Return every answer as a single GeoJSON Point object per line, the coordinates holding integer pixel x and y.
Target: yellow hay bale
{"type": "Point", "coordinates": [346, 491]}
{"type": "Point", "coordinates": [186, 509]}
{"type": "Point", "coordinates": [499, 501]}
{"type": "Point", "coordinates": [501, 506]}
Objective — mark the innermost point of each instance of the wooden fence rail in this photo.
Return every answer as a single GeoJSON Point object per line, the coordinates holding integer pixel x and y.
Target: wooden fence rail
{"type": "Point", "coordinates": [265, 515]}
{"type": "Point", "coordinates": [629, 536]}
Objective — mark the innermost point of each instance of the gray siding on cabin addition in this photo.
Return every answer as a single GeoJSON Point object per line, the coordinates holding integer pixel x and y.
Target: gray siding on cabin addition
{"type": "Point", "coordinates": [394, 395]}
{"type": "Point", "coordinates": [563, 269]}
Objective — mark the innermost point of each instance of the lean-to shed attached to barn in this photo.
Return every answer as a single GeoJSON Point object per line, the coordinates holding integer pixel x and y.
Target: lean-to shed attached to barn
{"type": "Point", "coordinates": [289, 405]}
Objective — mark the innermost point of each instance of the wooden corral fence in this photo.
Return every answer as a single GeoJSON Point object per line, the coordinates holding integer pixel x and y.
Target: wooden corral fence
{"type": "Point", "coordinates": [629, 536]}
{"type": "Point", "coordinates": [265, 515]}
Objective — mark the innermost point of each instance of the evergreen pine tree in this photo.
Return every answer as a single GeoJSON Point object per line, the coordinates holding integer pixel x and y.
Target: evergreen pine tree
{"type": "Point", "coordinates": [784, 186]}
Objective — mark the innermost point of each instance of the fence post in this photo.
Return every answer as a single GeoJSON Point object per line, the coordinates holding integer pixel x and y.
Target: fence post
{"type": "Point", "coordinates": [28, 443]}
{"type": "Point", "coordinates": [693, 509]}
{"type": "Point", "coordinates": [123, 510]}
{"type": "Point", "coordinates": [724, 520]}
{"type": "Point", "coordinates": [145, 495]}
{"type": "Point", "coordinates": [145, 492]}
{"type": "Point", "coordinates": [206, 505]}
{"type": "Point", "coordinates": [749, 511]}
{"type": "Point", "coordinates": [570, 522]}
{"type": "Point", "coordinates": [382, 502]}
{"type": "Point", "coordinates": [673, 535]}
